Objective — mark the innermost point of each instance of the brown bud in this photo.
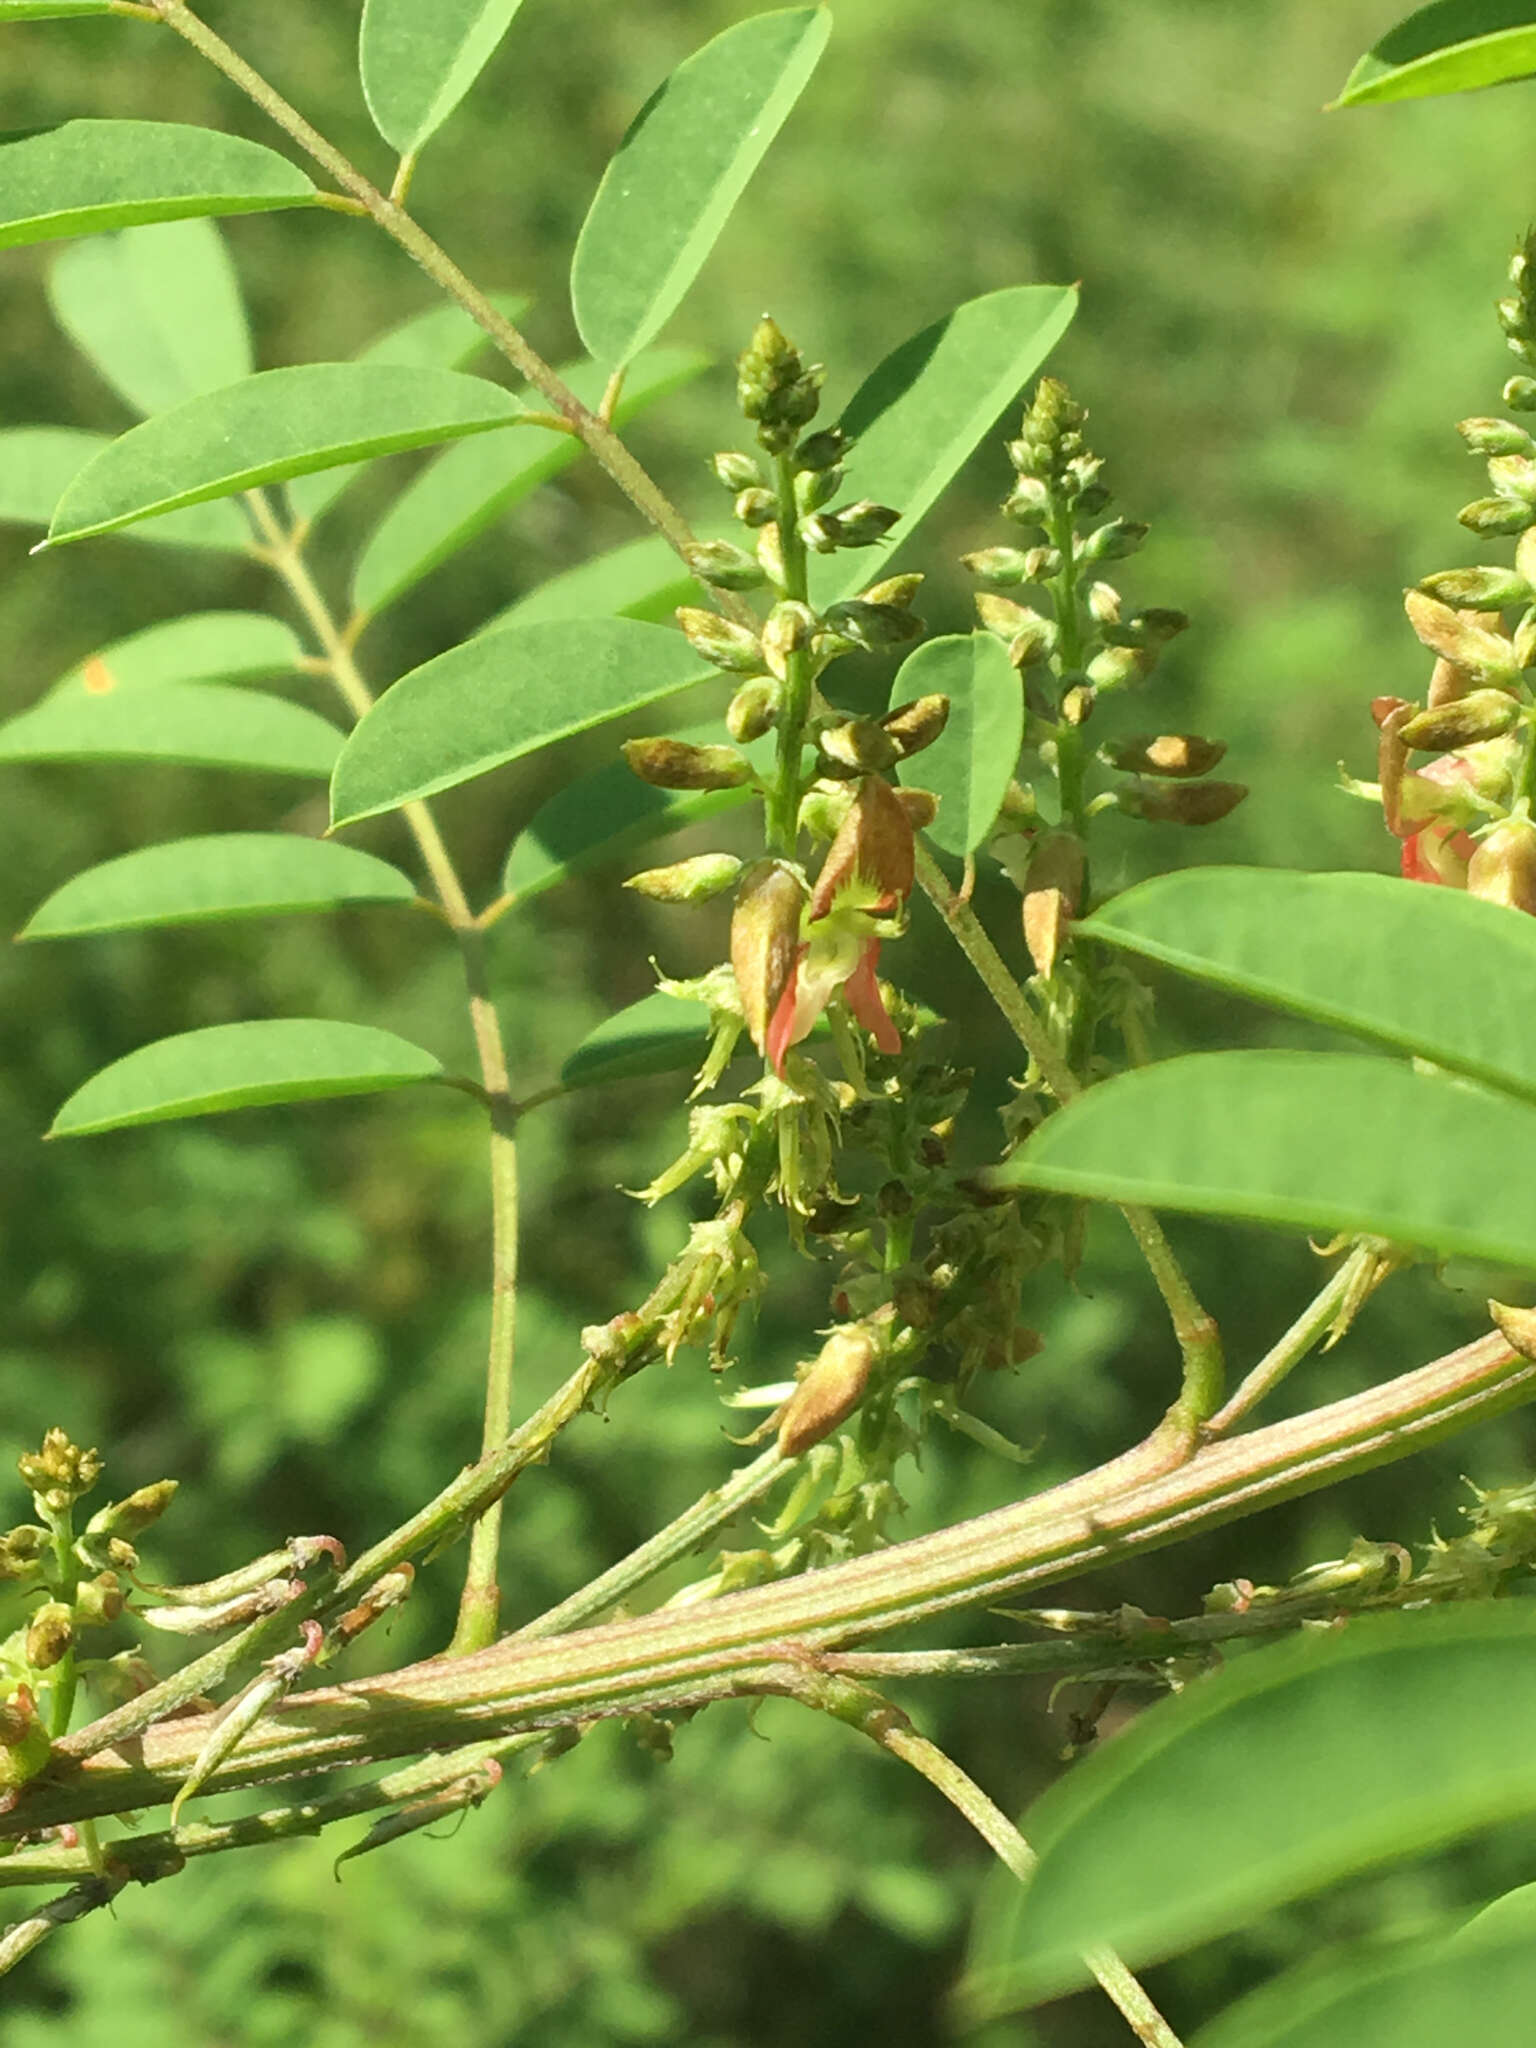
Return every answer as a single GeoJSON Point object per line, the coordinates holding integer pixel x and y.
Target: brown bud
{"type": "Point", "coordinates": [765, 938]}
{"type": "Point", "coordinates": [1459, 637]}
{"type": "Point", "coordinates": [1182, 803]}
{"type": "Point", "coordinates": [1051, 895]}
{"type": "Point", "coordinates": [1392, 764]}
{"type": "Point", "coordinates": [1479, 715]}
{"type": "Point", "coordinates": [918, 724]}
{"type": "Point", "coordinates": [99, 1599]}
{"type": "Point", "coordinates": [1503, 867]}
{"type": "Point", "coordinates": [874, 845]}
{"type": "Point", "coordinates": [1077, 704]}
{"type": "Point", "coordinates": [675, 764]}
{"type": "Point", "coordinates": [727, 645]}
{"type": "Point", "coordinates": [50, 1635]}
{"type": "Point", "coordinates": [1166, 753]}
{"type": "Point", "coordinates": [859, 746]}
{"type": "Point", "coordinates": [1382, 708]}
{"type": "Point", "coordinates": [832, 1388]}
{"type": "Point", "coordinates": [753, 710]}
{"type": "Point", "coordinates": [920, 805]}
{"type": "Point", "coordinates": [1517, 1326]}
{"type": "Point", "coordinates": [24, 1744]}
{"type": "Point", "coordinates": [788, 629]}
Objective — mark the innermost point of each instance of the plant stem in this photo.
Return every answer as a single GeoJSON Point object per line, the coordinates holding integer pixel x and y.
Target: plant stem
{"type": "Point", "coordinates": [892, 1731]}
{"type": "Point", "coordinates": [677, 1539]}
{"type": "Point", "coordinates": [1199, 1339]}
{"type": "Point", "coordinates": [480, 1605]}
{"type": "Point", "coordinates": [19, 1940]}
{"type": "Point", "coordinates": [1286, 1352]}
{"type": "Point", "coordinates": [1069, 648]}
{"type": "Point", "coordinates": [782, 813]}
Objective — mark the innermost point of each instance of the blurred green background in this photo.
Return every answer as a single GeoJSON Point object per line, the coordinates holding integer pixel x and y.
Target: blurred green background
{"type": "Point", "coordinates": [1284, 312]}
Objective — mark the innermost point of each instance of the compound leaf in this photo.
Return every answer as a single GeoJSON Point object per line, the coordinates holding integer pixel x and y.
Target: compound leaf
{"type": "Point", "coordinates": [206, 725]}
{"type": "Point", "coordinates": [1449, 46]}
{"type": "Point", "coordinates": [417, 62]}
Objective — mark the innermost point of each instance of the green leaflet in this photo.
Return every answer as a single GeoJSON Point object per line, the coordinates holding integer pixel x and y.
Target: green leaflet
{"type": "Point", "coordinates": [276, 424]}
{"type": "Point", "coordinates": [970, 765]}
{"type": "Point", "coordinates": [235, 1066]}
{"type": "Point", "coordinates": [642, 579]}
{"type": "Point", "coordinates": [156, 309]}
{"type": "Point", "coordinates": [675, 177]}
{"type": "Point", "coordinates": [660, 1034]}
{"type": "Point", "coordinates": [219, 875]}
{"type": "Point", "coordinates": [500, 696]}
{"type": "Point", "coordinates": [1449, 46]}
{"type": "Point", "coordinates": [918, 415]}
{"type": "Point", "coordinates": [49, 10]}
{"type": "Point", "coordinates": [1381, 1741]}
{"type": "Point", "coordinates": [1313, 1141]}
{"type": "Point", "coordinates": [417, 62]}
{"type": "Point", "coordinates": [202, 647]}
{"type": "Point", "coordinates": [1349, 950]}
{"type": "Point", "coordinates": [38, 464]}
{"type": "Point", "coordinates": [83, 176]}
{"type": "Point", "coordinates": [466, 487]}
{"type": "Point", "coordinates": [205, 725]}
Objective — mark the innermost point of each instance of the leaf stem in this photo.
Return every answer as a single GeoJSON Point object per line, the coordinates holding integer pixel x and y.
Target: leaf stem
{"type": "Point", "coordinates": [1286, 1352]}
{"type": "Point", "coordinates": [19, 1939]}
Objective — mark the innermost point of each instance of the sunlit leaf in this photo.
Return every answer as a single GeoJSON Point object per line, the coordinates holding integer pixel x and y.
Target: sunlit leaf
{"type": "Point", "coordinates": [465, 488]}
{"type": "Point", "coordinates": [38, 464]}
{"type": "Point", "coordinates": [417, 62]}
{"type": "Point", "coordinates": [642, 579]}
{"type": "Point", "coordinates": [500, 696]}
{"type": "Point", "coordinates": [235, 1066]}
{"type": "Point", "coordinates": [1450, 46]}
{"type": "Point", "coordinates": [922, 411]}
{"type": "Point", "coordinates": [685, 162]}
{"type": "Point", "coordinates": [222, 875]}
{"type": "Point", "coordinates": [970, 765]}
{"type": "Point", "coordinates": [156, 309]}
{"type": "Point", "coordinates": [203, 647]}
{"type": "Point", "coordinates": [207, 725]}
{"type": "Point", "coordinates": [277, 424]}
{"type": "Point", "coordinates": [83, 176]}
{"type": "Point", "coordinates": [1349, 950]}
{"type": "Point", "coordinates": [660, 1034]}
{"type": "Point", "coordinates": [1317, 1141]}
{"type": "Point", "coordinates": [1313, 1759]}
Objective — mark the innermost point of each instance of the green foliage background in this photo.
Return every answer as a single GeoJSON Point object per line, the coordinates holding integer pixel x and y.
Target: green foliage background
{"type": "Point", "coordinates": [1283, 314]}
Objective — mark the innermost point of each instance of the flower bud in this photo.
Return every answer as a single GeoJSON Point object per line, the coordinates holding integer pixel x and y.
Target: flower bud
{"type": "Point", "coordinates": [872, 626]}
{"type": "Point", "coordinates": [1104, 604]}
{"type": "Point", "coordinates": [898, 591]}
{"type": "Point", "coordinates": [21, 1552]}
{"type": "Point", "coordinates": [675, 764]}
{"type": "Point", "coordinates": [770, 552]}
{"type": "Point", "coordinates": [858, 746]}
{"type": "Point", "coordinates": [858, 525]}
{"type": "Point", "coordinates": [823, 809]}
{"type": "Point", "coordinates": [737, 470]}
{"type": "Point", "coordinates": [131, 1517]}
{"type": "Point", "coordinates": [1181, 803]}
{"type": "Point", "coordinates": [1077, 705]}
{"type": "Point", "coordinates": [1005, 617]}
{"type": "Point", "coordinates": [821, 450]}
{"type": "Point", "coordinates": [50, 1635]}
{"type": "Point", "coordinates": [1112, 667]}
{"type": "Point", "coordinates": [765, 939]}
{"type": "Point", "coordinates": [1480, 715]}
{"type": "Point", "coordinates": [720, 641]}
{"type": "Point", "coordinates": [1517, 1326]}
{"type": "Point", "coordinates": [24, 1744]}
{"type": "Point", "coordinates": [873, 848]}
{"type": "Point", "coordinates": [724, 565]}
{"type": "Point", "coordinates": [830, 1391]}
{"type": "Point", "coordinates": [998, 565]}
{"type": "Point", "coordinates": [753, 710]}
{"type": "Point", "coordinates": [1503, 866]}
{"type": "Point", "coordinates": [688, 881]}
{"type": "Point", "coordinates": [1484, 589]}
{"type": "Point", "coordinates": [1175, 754]}
{"type": "Point", "coordinates": [1495, 437]}
{"type": "Point", "coordinates": [60, 1472]}
{"type": "Point", "coordinates": [1519, 394]}
{"type": "Point", "coordinates": [1112, 543]}
{"type": "Point", "coordinates": [755, 507]}
{"type": "Point", "coordinates": [921, 807]}
{"type": "Point", "coordinates": [817, 487]}
{"type": "Point", "coordinates": [1051, 896]}
{"type": "Point", "coordinates": [788, 630]}
{"type": "Point", "coordinates": [1488, 657]}
{"type": "Point", "coordinates": [99, 1600]}
{"type": "Point", "coordinates": [918, 724]}
{"type": "Point", "coordinates": [1029, 502]}
{"type": "Point", "coordinates": [1496, 515]}
{"type": "Point", "coordinates": [1514, 476]}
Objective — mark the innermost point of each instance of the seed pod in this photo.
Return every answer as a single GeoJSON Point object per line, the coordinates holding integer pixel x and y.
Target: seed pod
{"type": "Point", "coordinates": [720, 641]}
{"type": "Point", "coordinates": [788, 630]}
{"type": "Point", "coordinates": [765, 940]}
{"type": "Point", "coordinates": [688, 881]}
{"type": "Point", "coordinates": [1460, 638]}
{"type": "Point", "coordinates": [917, 724]}
{"type": "Point", "coordinates": [831, 1389]}
{"type": "Point", "coordinates": [737, 470]}
{"type": "Point", "coordinates": [1175, 754]}
{"type": "Point", "coordinates": [753, 710]}
{"type": "Point", "coordinates": [1181, 803]}
{"type": "Point", "coordinates": [1503, 866]}
{"type": "Point", "coordinates": [724, 565]}
{"type": "Point", "coordinates": [676, 764]}
{"type": "Point", "coordinates": [1480, 715]}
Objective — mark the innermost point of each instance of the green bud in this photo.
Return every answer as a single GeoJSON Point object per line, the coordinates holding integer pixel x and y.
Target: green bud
{"type": "Point", "coordinates": [1480, 715]}
{"type": "Point", "coordinates": [50, 1635]}
{"type": "Point", "coordinates": [917, 725]}
{"type": "Point", "coordinates": [1496, 515]}
{"type": "Point", "coordinates": [737, 470]}
{"type": "Point", "coordinates": [1029, 502]}
{"type": "Point", "coordinates": [1113, 667]}
{"type": "Point", "coordinates": [1112, 543]}
{"type": "Point", "coordinates": [872, 626]}
{"type": "Point", "coordinates": [817, 487]}
{"type": "Point", "coordinates": [862, 523]}
{"type": "Point", "coordinates": [1104, 604]}
{"type": "Point", "coordinates": [1524, 642]}
{"type": "Point", "coordinates": [1513, 476]}
{"type": "Point", "coordinates": [770, 552]}
{"type": "Point", "coordinates": [1495, 437]}
{"type": "Point", "coordinates": [1181, 803]}
{"type": "Point", "coordinates": [675, 764]}
{"type": "Point", "coordinates": [823, 809]}
{"type": "Point", "coordinates": [688, 881]}
{"type": "Point", "coordinates": [1091, 501]}
{"type": "Point", "coordinates": [24, 1743]}
{"type": "Point", "coordinates": [753, 710]}
{"type": "Point", "coordinates": [787, 631]}
{"type": "Point", "coordinates": [723, 564]}
{"type": "Point", "coordinates": [895, 590]}
{"type": "Point", "coordinates": [1483, 589]}
{"type": "Point", "coordinates": [822, 450]}
{"type": "Point", "coordinates": [1004, 615]}
{"type": "Point", "coordinates": [131, 1517]}
{"type": "Point", "coordinates": [998, 565]}
{"type": "Point", "coordinates": [857, 746]}
{"type": "Point", "coordinates": [1486, 657]}
{"type": "Point", "coordinates": [1503, 866]}
{"type": "Point", "coordinates": [755, 507]}
{"type": "Point", "coordinates": [1077, 705]}
{"type": "Point", "coordinates": [720, 641]}
{"type": "Point", "coordinates": [820, 533]}
{"type": "Point", "coordinates": [768, 366]}
{"type": "Point", "coordinates": [1174, 754]}
{"type": "Point", "coordinates": [1155, 626]}
{"type": "Point", "coordinates": [60, 1472]}
{"type": "Point", "coordinates": [1519, 394]}
{"type": "Point", "coordinates": [99, 1600]}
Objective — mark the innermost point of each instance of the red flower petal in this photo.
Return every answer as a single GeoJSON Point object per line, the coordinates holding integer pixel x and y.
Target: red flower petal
{"type": "Point", "coordinates": [861, 992]}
